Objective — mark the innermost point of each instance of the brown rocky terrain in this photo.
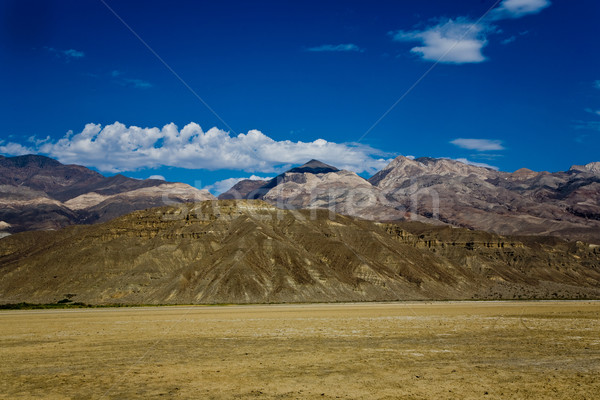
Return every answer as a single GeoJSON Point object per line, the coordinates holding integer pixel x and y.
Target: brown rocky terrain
{"type": "Point", "coordinates": [318, 185]}
{"type": "Point", "coordinates": [563, 204]}
{"type": "Point", "coordinates": [443, 191]}
{"type": "Point", "coordinates": [242, 189]}
{"type": "Point", "coordinates": [251, 252]}
{"type": "Point", "coordinates": [38, 192]}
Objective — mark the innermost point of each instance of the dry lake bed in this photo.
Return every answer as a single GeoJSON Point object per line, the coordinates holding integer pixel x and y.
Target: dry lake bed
{"type": "Point", "coordinates": [446, 350]}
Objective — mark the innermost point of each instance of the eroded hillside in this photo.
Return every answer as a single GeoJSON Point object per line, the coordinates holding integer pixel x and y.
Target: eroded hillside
{"type": "Point", "coordinates": [251, 252]}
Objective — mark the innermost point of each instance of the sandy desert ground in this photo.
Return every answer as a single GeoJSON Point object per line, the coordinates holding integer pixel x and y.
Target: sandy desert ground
{"type": "Point", "coordinates": [463, 350]}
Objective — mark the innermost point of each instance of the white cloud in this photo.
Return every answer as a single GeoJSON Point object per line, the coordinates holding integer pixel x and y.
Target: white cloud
{"type": "Point", "coordinates": [461, 40]}
{"type": "Point", "coordinates": [478, 144]}
{"type": "Point", "coordinates": [222, 186]}
{"type": "Point", "coordinates": [511, 9]}
{"type": "Point", "coordinates": [15, 149]}
{"type": "Point", "coordinates": [158, 177]}
{"type": "Point", "coordinates": [118, 148]}
{"type": "Point", "coordinates": [454, 41]}
{"type": "Point", "coordinates": [336, 47]}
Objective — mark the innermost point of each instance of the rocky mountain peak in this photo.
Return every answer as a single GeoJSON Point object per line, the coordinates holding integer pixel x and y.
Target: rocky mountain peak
{"type": "Point", "coordinates": [399, 165]}
{"type": "Point", "coordinates": [29, 160]}
{"type": "Point", "coordinates": [314, 167]}
{"type": "Point", "coordinates": [523, 173]}
{"type": "Point", "coordinates": [444, 166]}
{"type": "Point", "coordinates": [297, 174]}
{"type": "Point", "coordinates": [593, 167]}
{"type": "Point", "coordinates": [404, 168]}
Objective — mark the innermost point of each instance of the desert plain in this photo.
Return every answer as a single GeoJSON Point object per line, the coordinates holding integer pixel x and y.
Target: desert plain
{"type": "Point", "coordinates": [420, 350]}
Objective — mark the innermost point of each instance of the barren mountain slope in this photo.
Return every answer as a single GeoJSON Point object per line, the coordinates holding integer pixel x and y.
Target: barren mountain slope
{"type": "Point", "coordinates": [37, 192]}
{"type": "Point", "coordinates": [249, 251]}
{"type": "Point", "coordinates": [565, 204]}
{"type": "Point", "coordinates": [318, 185]}
{"type": "Point", "coordinates": [45, 174]}
{"type": "Point", "coordinates": [242, 190]}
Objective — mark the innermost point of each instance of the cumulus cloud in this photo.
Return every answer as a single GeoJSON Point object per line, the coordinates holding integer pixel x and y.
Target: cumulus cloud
{"type": "Point", "coordinates": [336, 47]}
{"type": "Point", "coordinates": [512, 9]}
{"type": "Point", "coordinates": [453, 41]}
{"type": "Point", "coordinates": [222, 186]}
{"type": "Point", "coordinates": [158, 177]}
{"type": "Point", "coordinates": [15, 149]}
{"type": "Point", "coordinates": [478, 144]}
{"type": "Point", "coordinates": [118, 148]}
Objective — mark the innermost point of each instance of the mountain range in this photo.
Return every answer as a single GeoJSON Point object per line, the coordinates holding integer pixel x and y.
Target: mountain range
{"type": "Point", "coordinates": [442, 191]}
{"type": "Point", "coordinates": [418, 229]}
{"type": "Point", "coordinates": [37, 192]}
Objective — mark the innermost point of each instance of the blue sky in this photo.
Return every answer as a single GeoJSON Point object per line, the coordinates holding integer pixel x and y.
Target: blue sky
{"type": "Point", "coordinates": [112, 85]}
